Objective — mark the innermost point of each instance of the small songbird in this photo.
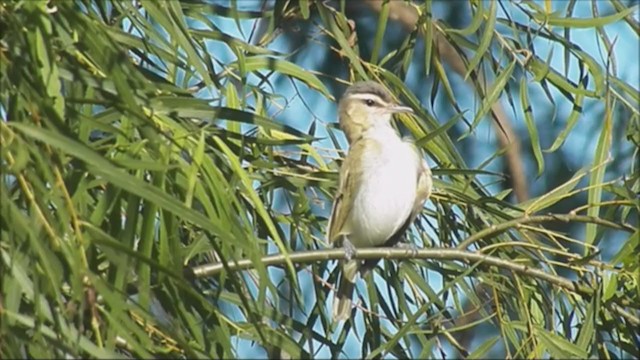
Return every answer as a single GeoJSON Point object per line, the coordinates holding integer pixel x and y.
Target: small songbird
{"type": "Point", "coordinates": [384, 182]}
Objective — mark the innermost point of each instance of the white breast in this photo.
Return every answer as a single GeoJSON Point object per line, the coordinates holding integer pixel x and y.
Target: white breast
{"type": "Point", "coordinates": [386, 195]}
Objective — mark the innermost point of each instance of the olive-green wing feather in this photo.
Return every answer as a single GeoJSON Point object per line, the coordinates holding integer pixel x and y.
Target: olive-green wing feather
{"type": "Point", "coordinates": [425, 185]}
{"type": "Point", "coordinates": [341, 205]}
{"type": "Point", "coordinates": [350, 177]}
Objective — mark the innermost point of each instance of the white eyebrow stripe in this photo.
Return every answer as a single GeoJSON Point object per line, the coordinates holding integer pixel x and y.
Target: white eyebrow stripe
{"type": "Point", "coordinates": [373, 97]}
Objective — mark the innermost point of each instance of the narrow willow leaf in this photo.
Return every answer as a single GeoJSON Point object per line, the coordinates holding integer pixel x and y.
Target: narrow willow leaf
{"type": "Point", "coordinates": [553, 196]}
{"type": "Point", "coordinates": [558, 346]}
{"type": "Point", "coordinates": [201, 109]}
{"type": "Point", "coordinates": [233, 102]}
{"type": "Point", "coordinates": [149, 239]}
{"type": "Point", "coordinates": [53, 335]}
{"type": "Point", "coordinates": [493, 95]}
{"type": "Point", "coordinates": [304, 8]}
{"type": "Point", "coordinates": [233, 42]}
{"type": "Point", "coordinates": [49, 66]}
{"type": "Point", "coordinates": [191, 8]}
{"type": "Point", "coordinates": [135, 164]}
{"type": "Point", "coordinates": [542, 71]}
{"type": "Point", "coordinates": [485, 40]}
{"type": "Point", "coordinates": [576, 112]}
{"type": "Point", "coordinates": [476, 21]}
{"type": "Point", "coordinates": [255, 63]}
{"type": "Point", "coordinates": [103, 167]}
{"type": "Point", "coordinates": [419, 280]}
{"type": "Point", "coordinates": [586, 337]}
{"type": "Point", "coordinates": [328, 16]}
{"type": "Point", "coordinates": [600, 158]}
{"type": "Point", "coordinates": [531, 125]}
{"type": "Point", "coordinates": [634, 94]}
{"type": "Point", "coordinates": [582, 23]}
{"type": "Point", "coordinates": [258, 205]}
{"type": "Point", "coordinates": [547, 6]}
{"type": "Point", "coordinates": [378, 38]}
{"type": "Point", "coordinates": [597, 72]}
{"type": "Point", "coordinates": [481, 351]}
{"type": "Point", "coordinates": [428, 31]}
{"type": "Point", "coordinates": [170, 16]}
{"type": "Point", "coordinates": [441, 131]}
{"type": "Point", "coordinates": [626, 255]}
{"type": "Point", "coordinates": [567, 38]}
{"type": "Point", "coordinates": [194, 168]}
{"type": "Point", "coordinates": [441, 74]}
{"type": "Point", "coordinates": [52, 268]}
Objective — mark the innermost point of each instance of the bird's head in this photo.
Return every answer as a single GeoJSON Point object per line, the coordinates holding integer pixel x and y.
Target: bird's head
{"type": "Point", "coordinates": [366, 105]}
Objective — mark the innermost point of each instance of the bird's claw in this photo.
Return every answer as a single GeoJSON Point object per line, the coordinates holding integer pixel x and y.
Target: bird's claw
{"type": "Point", "coordinates": [349, 249]}
{"type": "Point", "coordinates": [411, 247]}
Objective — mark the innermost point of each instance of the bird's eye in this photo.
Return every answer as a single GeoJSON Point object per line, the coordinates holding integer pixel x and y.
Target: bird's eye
{"type": "Point", "coordinates": [369, 102]}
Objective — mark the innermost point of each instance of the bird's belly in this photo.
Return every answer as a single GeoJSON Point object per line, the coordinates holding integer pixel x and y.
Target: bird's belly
{"type": "Point", "coordinates": [384, 202]}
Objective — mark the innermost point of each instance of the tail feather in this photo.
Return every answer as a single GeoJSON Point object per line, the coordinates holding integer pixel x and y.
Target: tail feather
{"type": "Point", "coordinates": [344, 296]}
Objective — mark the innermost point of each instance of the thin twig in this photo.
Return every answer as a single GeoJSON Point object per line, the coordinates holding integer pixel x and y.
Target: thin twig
{"type": "Point", "coordinates": [496, 229]}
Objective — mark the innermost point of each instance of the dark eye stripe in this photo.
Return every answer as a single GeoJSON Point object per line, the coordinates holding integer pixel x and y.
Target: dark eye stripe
{"type": "Point", "coordinates": [373, 102]}
{"type": "Point", "coordinates": [370, 100]}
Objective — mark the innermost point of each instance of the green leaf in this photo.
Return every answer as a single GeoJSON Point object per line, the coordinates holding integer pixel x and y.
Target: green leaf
{"type": "Point", "coordinates": [531, 125]}
{"type": "Point", "coordinates": [558, 346]}
{"type": "Point", "coordinates": [480, 351]}
{"type": "Point", "coordinates": [383, 17]}
{"type": "Point", "coordinates": [587, 335]}
{"type": "Point", "coordinates": [576, 112]}
{"type": "Point", "coordinates": [255, 199]}
{"type": "Point", "coordinates": [485, 39]}
{"type": "Point", "coordinates": [542, 71]}
{"type": "Point", "coordinates": [82, 342]}
{"type": "Point", "coordinates": [201, 109]}
{"type": "Point", "coordinates": [304, 9]}
{"type": "Point", "coordinates": [428, 37]}
{"type": "Point", "coordinates": [572, 22]}
{"type": "Point", "coordinates": [110, 172]}
{"type": "Point", "coordinates": [493, 95]}
{"type": "Point", "coordinates": [553, 196]}
{"type": "Point", "coordinates": [169, 15]}
{"type": "Point", "coordinates": [476, 21]}
{"type": "Point", "coordinates": [600, 158]}
{"type": "Point", "coordinates": [256, 63]}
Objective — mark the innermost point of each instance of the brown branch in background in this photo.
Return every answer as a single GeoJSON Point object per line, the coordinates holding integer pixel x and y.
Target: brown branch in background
{"type": "Point", "coordinates": [408, 17]}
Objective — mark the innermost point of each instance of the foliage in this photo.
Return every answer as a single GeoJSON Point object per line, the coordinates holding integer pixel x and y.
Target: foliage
{"type": "Point", "coordinates": [142, 141]}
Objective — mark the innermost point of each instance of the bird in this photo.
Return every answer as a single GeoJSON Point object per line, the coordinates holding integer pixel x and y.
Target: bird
{"type": "Point", "coordinates": [383, 184]}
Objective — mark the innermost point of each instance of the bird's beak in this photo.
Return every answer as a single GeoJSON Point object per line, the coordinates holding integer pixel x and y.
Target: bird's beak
{"type": "Point", "coordinates": [400, 109]}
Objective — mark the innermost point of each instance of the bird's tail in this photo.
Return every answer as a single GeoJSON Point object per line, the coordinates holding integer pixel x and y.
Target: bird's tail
{"type": "Point", "coordinates": [343, 298]}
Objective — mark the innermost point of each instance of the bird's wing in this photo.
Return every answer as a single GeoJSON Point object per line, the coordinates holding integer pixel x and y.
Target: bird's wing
{"type": "Point", "coordinates": [425, 185]}
{"type": "Point", "coordinates": [349, 177]}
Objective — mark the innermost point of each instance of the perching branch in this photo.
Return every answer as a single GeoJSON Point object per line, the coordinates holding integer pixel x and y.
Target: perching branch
{"type": "Point", "coordinates": [468, 257]}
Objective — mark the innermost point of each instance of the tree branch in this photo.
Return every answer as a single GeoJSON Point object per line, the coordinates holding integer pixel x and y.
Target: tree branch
{"type": "Point", "coordinates": [467, 257]}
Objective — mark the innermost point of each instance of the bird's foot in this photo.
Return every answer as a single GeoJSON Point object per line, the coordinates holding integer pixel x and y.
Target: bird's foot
{"type": "Point", "coordinates": [349, 249]}
{"type": "Point", "coordinates": [411, 247]}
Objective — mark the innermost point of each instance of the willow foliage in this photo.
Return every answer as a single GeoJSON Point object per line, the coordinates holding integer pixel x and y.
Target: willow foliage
{"type": "Point", "coordinates": [149, 168]}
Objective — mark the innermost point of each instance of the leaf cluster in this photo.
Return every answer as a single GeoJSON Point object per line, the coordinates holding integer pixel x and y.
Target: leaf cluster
{"type": "Point", "coordinates": [141, 145]}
